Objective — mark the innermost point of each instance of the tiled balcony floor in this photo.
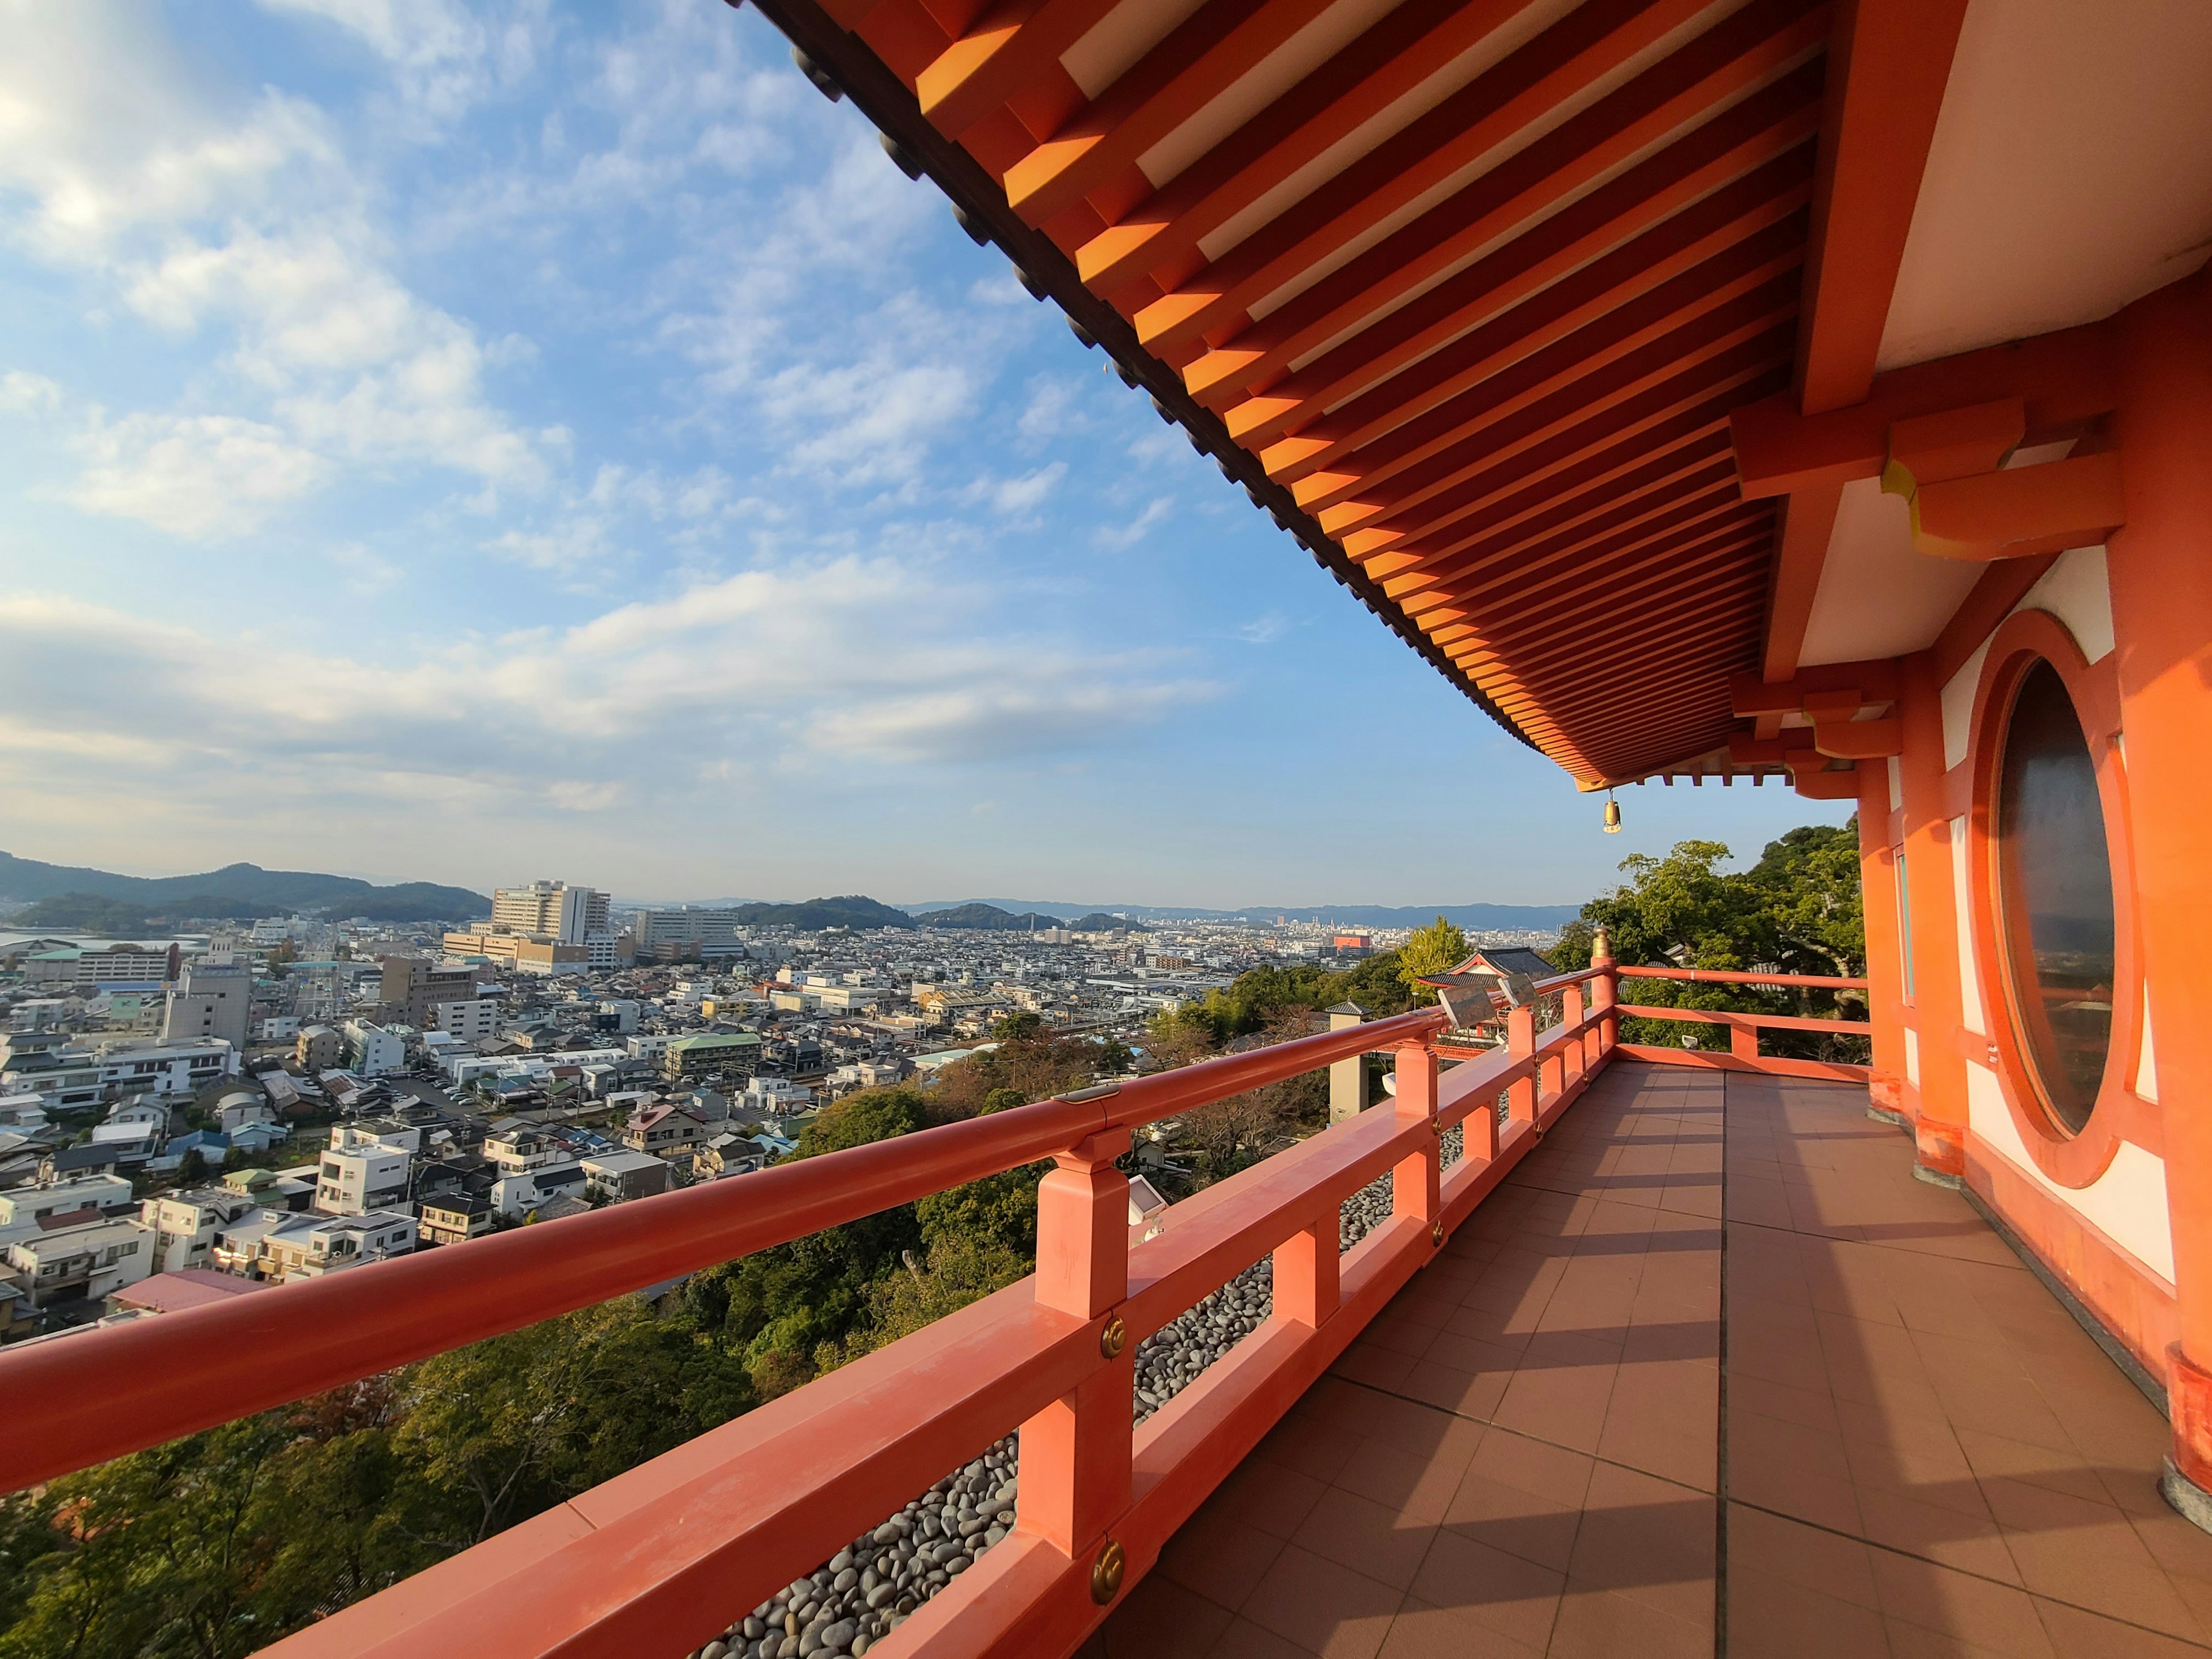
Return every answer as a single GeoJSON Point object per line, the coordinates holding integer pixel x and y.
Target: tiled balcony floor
{"type": "Point", "coordinates": [1926, 1456]}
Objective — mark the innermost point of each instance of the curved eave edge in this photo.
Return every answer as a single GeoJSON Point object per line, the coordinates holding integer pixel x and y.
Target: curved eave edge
{"type": "Point", "coordinates": [1049, 273]}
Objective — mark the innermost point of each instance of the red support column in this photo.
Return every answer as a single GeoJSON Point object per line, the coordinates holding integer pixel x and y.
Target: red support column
{"type": "Point", "coordinates": [1940, 1129]}
{"type": "Point", "coordinates": [1414, 1183]}
{"type": "Point", "coordinates": [1885, 957]}
{"type": "Point", "coordinates": [1743, 1042]}
{"type": "Point", "coordinates": [1076, 1452]}
{"type": "Point", "coordinates": [2160, 567]}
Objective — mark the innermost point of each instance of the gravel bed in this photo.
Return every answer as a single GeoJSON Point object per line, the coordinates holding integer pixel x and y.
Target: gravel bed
{"type": "Point", "coordinates": [869, 1587]}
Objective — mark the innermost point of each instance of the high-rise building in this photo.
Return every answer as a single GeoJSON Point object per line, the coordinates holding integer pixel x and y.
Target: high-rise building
{"type": "Point", "coordinates": [550, 910]}
{"type": "Point", "coordinates": [213, 997]}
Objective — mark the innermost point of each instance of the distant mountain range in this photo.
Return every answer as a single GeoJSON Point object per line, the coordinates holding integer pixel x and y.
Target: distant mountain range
{"type": "Point", "coordinates": [236, 890]}
{"type": "Point", "coordinates": [1482, 917]}
{"type": "Point", "coordinates": [996, 920]}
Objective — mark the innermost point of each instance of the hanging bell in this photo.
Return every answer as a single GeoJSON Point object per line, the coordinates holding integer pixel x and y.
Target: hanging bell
{"type": "Point", "coordinates": [1612, 815]}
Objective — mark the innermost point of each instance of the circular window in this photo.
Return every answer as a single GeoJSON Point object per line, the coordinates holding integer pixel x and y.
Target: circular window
{"type": "Point", "coordinates": [2054, 912]}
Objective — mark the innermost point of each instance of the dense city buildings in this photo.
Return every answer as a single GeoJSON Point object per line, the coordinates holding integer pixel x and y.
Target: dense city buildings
{"type": "Point", "coordinates": [293, 1097]}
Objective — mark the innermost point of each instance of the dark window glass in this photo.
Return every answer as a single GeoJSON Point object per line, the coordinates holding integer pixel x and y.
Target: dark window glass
{"type": "Point", "coordinates": [2055, 896]}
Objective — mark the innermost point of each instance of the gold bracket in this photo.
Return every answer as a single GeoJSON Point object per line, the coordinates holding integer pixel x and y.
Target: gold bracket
{"type": "Point", "coordinates": [1106, 1572]}
{"type": "Point", "coordinates": [1112, 1337]}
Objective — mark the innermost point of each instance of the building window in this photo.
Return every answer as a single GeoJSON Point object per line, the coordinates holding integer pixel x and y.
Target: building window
{"type": "Point", "coordinates": [2055, 910]}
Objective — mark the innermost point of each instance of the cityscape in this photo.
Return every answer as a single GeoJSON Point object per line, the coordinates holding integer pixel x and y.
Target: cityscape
{"type": "Point", "coordinates": [287, 1096]}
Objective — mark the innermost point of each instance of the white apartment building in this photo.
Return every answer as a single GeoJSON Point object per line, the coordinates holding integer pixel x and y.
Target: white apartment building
{"type": "Point", "coordinates": [309, 1246]}
{"type": "Point", "coordinates": [278, 1027]}
{"type": "Point", "coordinates": [24, 1207]}
{"type": "Point", "coordinates": [187, 1226]}
{"type": "Point", "coordinates": [212, 997]}
{"type": "Point", "coordinates": [91, 1261]}
{"type": "Point", "coordinates": [684, 926]}
{"type": "Point", "coordinates": [361, 1172]}
{"type": "Point", "coordinates": [470, 1021]}
{"type": "Point", "coordinates": [551, 911]}
{"type": "Point", "coordinates": [374, 1050]}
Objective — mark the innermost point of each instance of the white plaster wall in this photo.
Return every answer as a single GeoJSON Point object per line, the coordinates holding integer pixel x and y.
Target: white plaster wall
{"type": "Point", "coordinates": [1970, 979]}
{"type": "Point", "coordinates": [2127, 1203]}
{"type": "Point", "coordinates": [2146, 1060]}
{"type": "Point", "coordinates": [2078, 592]}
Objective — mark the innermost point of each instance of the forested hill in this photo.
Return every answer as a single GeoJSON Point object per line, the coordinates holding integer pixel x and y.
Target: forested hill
{"type": "Point", "coordinates": [259, 892]}
{"type": "Point", "coordinates": [988, 916]}
{"type": "Point", "coordinates": [851, 910]}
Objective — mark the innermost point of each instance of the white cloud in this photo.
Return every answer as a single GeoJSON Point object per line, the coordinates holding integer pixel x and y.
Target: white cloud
{"type": "Point", "coordinates": [1263, 629]}
{"type": "Point", "coordinates": [884, 659]}
{"type": "Point", "coordinates": [200, 476]}
{"type": "Point", "coordinates": [1128, 535]}
{"type": "Point", "coordinates": [194, 216]}
{"type": "Point", "coordinates": [21, 392]}
{"type": "Point", "coordinates": [1016, 496]}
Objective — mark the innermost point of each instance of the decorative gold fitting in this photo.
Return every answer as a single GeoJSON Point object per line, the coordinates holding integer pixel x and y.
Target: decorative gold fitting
{"type": "Point", "coordinates": [1106, 1573]}
{"type": "Point", "coordinates": [1113, 1337]}
{"type": "Point", "coordinates": [1437, 1234]}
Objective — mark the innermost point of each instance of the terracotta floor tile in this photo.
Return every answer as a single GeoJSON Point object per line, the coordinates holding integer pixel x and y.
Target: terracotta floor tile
{"type": "Point", "coordinates": [1311, 1445]}
{"type": "Point", "coordinates": [1792, 1448]}
{"type": "Point", "coordinates": [1775, 1618]}
{"type": "Point", "coordinates": [1490, 1587]}
{"type": "Point", "coordinates": [1648, 1539]}
{"type": "Point", "coordinates": [2077, 1633]}
{"type": "Point", "coordinates": [1374, 1539]}
{"type": "Point", "coordinates": [1378, 1367]}
{"type": "Point", "coordinates": [1565, 1407]}
{"type": "Point", "coordinates": [1243, 1639]}
{"type": "Point", "coordinates": [1945, 1533]}
{"type": "Point", "coordinates": [1599, 1625]}
{"type": "Point", "coordinates": [1160, 1619]}
{"type": "Point", "coordinates": [1959, 1605]}
{"type": "Point", "coordinates": [1267, 1495]}
{"type": "Point", "coordinates": [1419, 1488]}
{"type": "Point", "coordinates": [2088, 1554]}
{"type": "Point", "coordinates": [1535, 1528]}
{"type": "Point", "coordinates": [1421, 1631]}
{"type": "Point", "coordinates": [1664, 1420]}
{"type": "Point", "coordinates": [1834, 1565]}
{"type": "Point", "coordinates": [1322, 1606]}
{"type": "Point", "coordinates": [1219, 1557]}
{"type": "Point", "coordinates": [1464, 1394]}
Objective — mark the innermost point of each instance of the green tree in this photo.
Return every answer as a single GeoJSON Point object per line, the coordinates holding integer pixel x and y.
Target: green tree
{"type": "Point", "coordinates": [1021, 1027]}
{"type": "Point", "coordinates": [507, 1427]}
{"type": "Point", "coordinates": [1437, 949]}
{"type": "Point", "coordinates": [1798, 911]}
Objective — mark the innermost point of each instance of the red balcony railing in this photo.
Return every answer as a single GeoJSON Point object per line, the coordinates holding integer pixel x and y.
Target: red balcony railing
{"type": "Point", "coordinates": [662, 1559]}
{"type": "Point", "coordinates": [1743, 1029]}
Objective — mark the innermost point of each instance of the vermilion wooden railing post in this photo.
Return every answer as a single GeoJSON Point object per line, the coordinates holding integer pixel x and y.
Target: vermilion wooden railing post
{"type": "Point", "coordinates": [1574, 1059]}
{"type": "Point", "coordinates": [1743, 1042]}
{"type": "Point", "coordinates": [1306, 1273]}
{"type": "Point", "coordinates": [1415, 1184]}
{"type": "Point", "coordinates": [1520, 1042]}
{"type": "Point", "coordinates": [1076, 1452]}
{"type": "Point", "coordinates": [1604, 990]}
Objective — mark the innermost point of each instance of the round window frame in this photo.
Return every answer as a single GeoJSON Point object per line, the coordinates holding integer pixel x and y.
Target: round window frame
{"type": "Point", "coordinates": [2071, 1158]}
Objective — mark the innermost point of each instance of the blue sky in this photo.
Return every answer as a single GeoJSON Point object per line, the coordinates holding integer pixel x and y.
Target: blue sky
{"type": "Point", "coordinates": [470, 444]}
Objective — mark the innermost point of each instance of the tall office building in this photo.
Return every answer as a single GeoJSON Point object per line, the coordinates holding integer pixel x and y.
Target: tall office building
{"type": "Point", "coordinates": [550, 910]}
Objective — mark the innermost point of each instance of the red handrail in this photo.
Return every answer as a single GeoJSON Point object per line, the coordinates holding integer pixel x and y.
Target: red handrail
{"type": "Point", "coordinates": [73, 1403]}
{"type": "Point", "coordinates": [1726, 976]}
